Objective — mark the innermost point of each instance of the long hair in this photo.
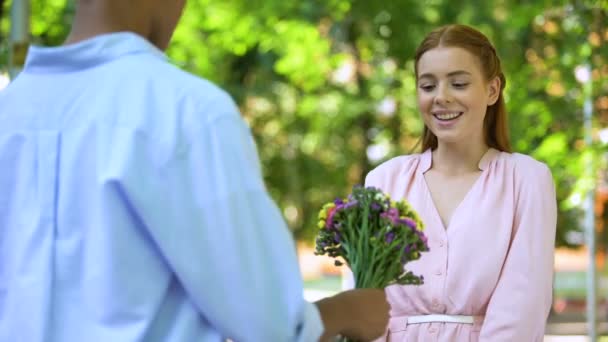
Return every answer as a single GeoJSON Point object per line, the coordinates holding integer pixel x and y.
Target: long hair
{"type": "Point", "coordinates": [495, 126]}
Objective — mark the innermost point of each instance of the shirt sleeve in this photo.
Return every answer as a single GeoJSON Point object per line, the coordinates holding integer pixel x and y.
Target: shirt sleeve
{"type": "Point", "coordinates": [520, 304]}
{"type": "Point", "coordinates": [224, 237]}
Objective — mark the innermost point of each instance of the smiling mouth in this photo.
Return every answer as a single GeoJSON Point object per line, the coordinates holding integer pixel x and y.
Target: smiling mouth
{"type": "Point", "coordinates": [447, 116]}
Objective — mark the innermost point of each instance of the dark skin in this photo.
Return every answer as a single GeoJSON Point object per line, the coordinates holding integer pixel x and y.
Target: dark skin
{"type": "Point", "coordinates": [360, 314]}
{"type": "Point", "coordinates": [153, 19]}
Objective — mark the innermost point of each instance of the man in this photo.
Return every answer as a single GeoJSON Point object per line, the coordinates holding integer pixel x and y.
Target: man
{"type": "Point", "coordinates": [133, 208]}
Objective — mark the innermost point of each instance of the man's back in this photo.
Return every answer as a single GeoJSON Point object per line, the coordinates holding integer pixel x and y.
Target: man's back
{"type": "Point", "coordinates": [131, 207]}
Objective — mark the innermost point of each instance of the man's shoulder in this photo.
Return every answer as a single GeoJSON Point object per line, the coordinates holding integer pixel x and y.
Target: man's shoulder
{"type": "Point", "coordinates": [169, 103]}
{"type": "Point", "coordinates": [168, 83]}
{"type": "Point", "coordinates": [199, 90]}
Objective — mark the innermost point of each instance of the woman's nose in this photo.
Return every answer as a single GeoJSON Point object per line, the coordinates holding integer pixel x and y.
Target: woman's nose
{"type": "Point", "coordinates": [443, 95]}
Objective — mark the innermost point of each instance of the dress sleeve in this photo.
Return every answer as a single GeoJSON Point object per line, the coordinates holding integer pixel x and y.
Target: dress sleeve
{"type": "Point", "coordinates": [520, 304]}
{"type": "Point", "coordinates": [224, 238]}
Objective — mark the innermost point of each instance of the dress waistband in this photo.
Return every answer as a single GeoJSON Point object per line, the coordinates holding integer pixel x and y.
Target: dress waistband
{"type": "Point", "coordinates": [436, 318]}
{"type": "Point", "coordinates": [400, 323]}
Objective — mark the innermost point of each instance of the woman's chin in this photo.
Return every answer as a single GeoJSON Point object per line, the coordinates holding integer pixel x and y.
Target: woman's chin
{"type": "Point", "coordinates": [448, 138]}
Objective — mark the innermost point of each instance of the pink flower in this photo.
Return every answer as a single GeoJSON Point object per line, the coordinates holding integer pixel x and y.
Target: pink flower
{"type": "Point", "coordinates": [330, 217]}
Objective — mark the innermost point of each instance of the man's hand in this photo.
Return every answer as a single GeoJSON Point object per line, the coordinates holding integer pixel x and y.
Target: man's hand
{"type": "Point", "coordinates": [360, 314]}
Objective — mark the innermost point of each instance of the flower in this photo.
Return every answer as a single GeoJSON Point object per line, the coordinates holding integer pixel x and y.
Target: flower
{"type": "Point", "coordinates": [389, 237]}
{"type": "Point", "coordinates": [373, 235]}
{"type": "Point", "coordinates": [330, 216]}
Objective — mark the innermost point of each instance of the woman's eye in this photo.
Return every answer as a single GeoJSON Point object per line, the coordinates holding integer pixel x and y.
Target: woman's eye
{"type": "Point", "coordinates": [427, 87]}
{"type": "Point", "coordinates": [460, 85]}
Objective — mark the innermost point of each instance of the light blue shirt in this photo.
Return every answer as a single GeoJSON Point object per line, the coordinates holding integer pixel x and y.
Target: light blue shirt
{"type": "Point", "coordinates": [133, 207]}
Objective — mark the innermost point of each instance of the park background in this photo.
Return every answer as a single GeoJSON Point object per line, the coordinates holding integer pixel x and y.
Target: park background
{"type": "Point", "coordinates": [328, 90]}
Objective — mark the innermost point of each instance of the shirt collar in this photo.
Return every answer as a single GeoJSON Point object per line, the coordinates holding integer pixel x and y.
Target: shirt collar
{"type": "Point", "coordinates": [426, 159]}
{"type": "Point", "coordinates": [88, 53]}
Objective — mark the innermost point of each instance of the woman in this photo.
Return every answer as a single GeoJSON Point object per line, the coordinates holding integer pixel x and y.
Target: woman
{"type": "Point", "coordinates": [490, 214]}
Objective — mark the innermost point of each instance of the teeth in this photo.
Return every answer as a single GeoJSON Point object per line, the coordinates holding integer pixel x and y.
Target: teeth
{"type": "Point", "coordinates": [446, 116]}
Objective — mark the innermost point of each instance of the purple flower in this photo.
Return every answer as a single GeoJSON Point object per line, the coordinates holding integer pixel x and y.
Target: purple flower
{"type": "Point", "coordinates": [408, 222]}
{"type": "Point", "coordinates": [389, 237]}
{"type": "Point", "coordinates": [330, 216]}
{"type": "Point", "coordinates": [375, 206]}
{"type": "Point", "coordinates": [422, 237]}
{"type": "Point", "coordinates": [336, 237]}
{"type": "Point", "coordinates": [392, 214]}
{"type": "Point", "coordinates": [351, 204]}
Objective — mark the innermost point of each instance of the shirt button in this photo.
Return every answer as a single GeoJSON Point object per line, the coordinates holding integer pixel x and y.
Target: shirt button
{"type": "Point", "coordinates": [441, 243]}
{"type": "Point", "coordinates": [439, 307]}
{"type": "Point", "coordinates": [438, 272]}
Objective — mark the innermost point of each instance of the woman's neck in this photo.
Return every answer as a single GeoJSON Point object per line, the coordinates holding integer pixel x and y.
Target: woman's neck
{"type": "Point", "coordinates": [457, 159]}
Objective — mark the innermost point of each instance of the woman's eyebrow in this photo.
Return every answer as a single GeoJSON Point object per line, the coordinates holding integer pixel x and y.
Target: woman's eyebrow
{"type": "Point", "coordinates": [450, 74]}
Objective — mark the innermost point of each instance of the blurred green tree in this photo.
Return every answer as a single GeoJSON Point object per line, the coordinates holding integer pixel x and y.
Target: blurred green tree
{"type": "Point", "coordinates": [328, 86]}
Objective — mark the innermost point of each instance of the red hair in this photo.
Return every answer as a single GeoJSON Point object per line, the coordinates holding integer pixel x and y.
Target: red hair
{"type": "Point", "coordinates": [496, 132]}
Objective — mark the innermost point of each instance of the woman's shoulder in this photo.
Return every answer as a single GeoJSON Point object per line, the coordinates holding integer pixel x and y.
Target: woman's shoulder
{"type": "Point", "coordinates": [524, 165]}
{"type": "Point", "coordinates": [394, 166]}
{"type": "Point", "coordinates": [528, 173]}
{"type": "Point", "coordinates": [406, 161]}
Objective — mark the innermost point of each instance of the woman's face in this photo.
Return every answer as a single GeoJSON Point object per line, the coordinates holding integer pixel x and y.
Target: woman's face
{"type": "Point", "coordinates": [453, 94]}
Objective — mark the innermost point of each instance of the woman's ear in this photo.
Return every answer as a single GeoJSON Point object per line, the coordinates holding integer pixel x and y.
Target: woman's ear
{"type": "Point", "coordinates": [494, 87]}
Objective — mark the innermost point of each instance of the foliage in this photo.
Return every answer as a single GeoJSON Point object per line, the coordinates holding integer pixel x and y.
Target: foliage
{"type": "Point", "coordinates": [327, 86]}
{"type": "Point", "coordinates": [374, 235]}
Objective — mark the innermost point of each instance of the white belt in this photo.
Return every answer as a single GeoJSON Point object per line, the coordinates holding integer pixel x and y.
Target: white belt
{"type": "Point", "coordinates": [441, 319]}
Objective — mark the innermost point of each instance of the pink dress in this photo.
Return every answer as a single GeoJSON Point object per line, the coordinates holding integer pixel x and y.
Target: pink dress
{"type": "Point", "coordinates": [495, 260]}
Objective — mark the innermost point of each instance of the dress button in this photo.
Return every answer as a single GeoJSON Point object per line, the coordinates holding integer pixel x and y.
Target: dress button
{"type": "Point", "coordinates": [432, 330]}
{"type": "Point", "coordinates": [438, 272]}
{"type": "Point", "coordinates": [441, 243]}
{"type": "Point", "coordinates": [437, 306]}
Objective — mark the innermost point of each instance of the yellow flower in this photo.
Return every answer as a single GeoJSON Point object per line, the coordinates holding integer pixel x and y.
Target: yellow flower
{"type": "Point", "coordinates": [321, 224]}
{"type": "Point", "coordinates": [329, 205]}
{"type": "Point", "coordinates": [326, 208]}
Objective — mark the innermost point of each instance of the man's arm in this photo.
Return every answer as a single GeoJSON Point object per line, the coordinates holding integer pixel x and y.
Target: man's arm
{"type": "Point", "coordinates": [219, 231]}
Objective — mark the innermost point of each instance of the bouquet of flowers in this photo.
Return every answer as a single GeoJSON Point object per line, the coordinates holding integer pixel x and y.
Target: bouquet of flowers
{"type": "Point", "coordinates": [375, 236]}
